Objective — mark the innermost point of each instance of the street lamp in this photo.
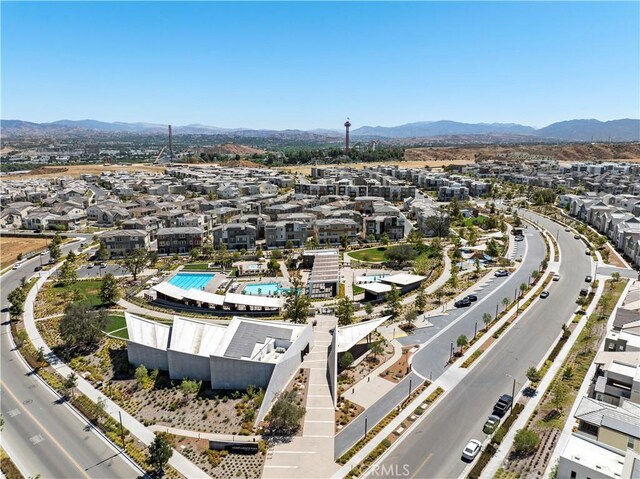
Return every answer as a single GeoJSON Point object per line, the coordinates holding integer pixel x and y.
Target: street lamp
{"type": "Point", "coordinates": [365, 427]}
{"type": "Point", "coordinates": [513, 392]}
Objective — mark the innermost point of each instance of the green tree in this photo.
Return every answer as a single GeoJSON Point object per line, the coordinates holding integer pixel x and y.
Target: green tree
{"type": "Point", "coordinates": [288, 245]}
{"type": "Point", "coordinates": [384, 239]}
{"type": "Point", "coordinates": [492, 248]}
{"type": "Point", "coordinates": [152, 258]}
{"type": "Point", "coordinates": [285, 415]}
{"type": "Point", "coordinates": [259, 253]}
{"type": "Point", "coordinates": [345, 311]}
{"type": "Point", "coordinates": [195, 253]}
{"type": "Point", "coordinates": [298, 305]}
{"type": "Point", "coordinates": [190, 388]}
{"type": "Point", "coordinates": [223, 258]}
{"type": "Point", "coordinates": [54, 247]}
{"type": "Point", "coordinates": [136, 262]}
{"type": "Point", "coordinates": [160, 452]}
{"type": "Point", "coordinates": [273, 266]}
{"type": "Point", "coordinates": [103, 252]}
{"type": "Point", "coordinates": [615, 276]}
{"type": "Point", "coordinates": [368, 308]}
{"type": "Point", "coordinates": [344, 241]}
{"type": "Point", "coordinates": [16, 298]}
{"type": "Point", "coordinates": [68, 273]}
{"type": "Point", "coordinates": [346, 360]}
{"type": "Point", "coordinates": [393, 301]}
{"type": "Point", "coordinates": [142, 375]}
{"type": "Point", "coordinates": [506, 302]}
{"type": "Point", "coordinates": [276, 254]}
{"type": "Point", "coordinates": [421, 300]}
{"type": "Point", "coordinates": [377, 348]}
{"type": "Point", "coordinates": [410, 317]}
{"type": "Point", "coordinates": [109, 291]}
{"type": "Point", "coordinates": [535, 274]}
{"type": "Point", "coordinates": [81, 327]}
{"type": "Point", "coordinates": [525, 442]}
{"type": "Point", "coordinates": [533, 375]}
{"type": "Point", "coordinates": [401, 253]}
{"type": "Point", "coordinates": [462, 341]}
{"type": "Point", "coordinates": [486, 319]}
{"type": "Point", "coordinates": [523, 288]}
{"type": "Point", "coordinates": [69, 384]}
{"type": "Point", "coordinates": [559, 394]}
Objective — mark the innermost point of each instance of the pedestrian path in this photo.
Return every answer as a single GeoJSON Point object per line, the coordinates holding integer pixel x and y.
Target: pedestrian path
{"type": "Point", "coordinates": [310, 455]}
{"type": "Point", "coordinates": [211, 436]}
{"type": "Point", "coordinates": [145, 435]}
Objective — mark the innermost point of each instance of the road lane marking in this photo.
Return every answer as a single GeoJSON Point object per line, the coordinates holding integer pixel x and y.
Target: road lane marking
{"type": "Point", "coordinates": [37, 439]}
{"type": "Point", "coordinates": [14, 412]}
{"type": "Point", "coordinates": [424, 463]}
{"type": "Point", "coordinates": [33, 418]}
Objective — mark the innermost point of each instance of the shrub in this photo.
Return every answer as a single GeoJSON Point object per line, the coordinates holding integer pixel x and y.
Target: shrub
{"type": "Point", "coordinates": [525, 442]}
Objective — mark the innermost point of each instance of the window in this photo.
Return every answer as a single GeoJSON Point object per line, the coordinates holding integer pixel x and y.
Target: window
{"type": "Point", "coordinates": [630, 442]}
{"type": "Point", "coordinates": [573, 475]}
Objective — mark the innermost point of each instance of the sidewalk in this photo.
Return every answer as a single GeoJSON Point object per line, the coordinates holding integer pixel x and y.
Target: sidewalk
{"type": "Point", "coordinates": [504, 448]}
{"type": "Point", "coordinates": [178, 461]}
{"type": "Point", "coordinates": [310, 455]}
{"type": "Point", "coordinates": [366, 391]}
{"type": "Point", "coordinates": [204, 435]}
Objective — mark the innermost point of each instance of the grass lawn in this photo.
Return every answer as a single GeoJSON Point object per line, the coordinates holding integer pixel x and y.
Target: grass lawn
{"type": "Point", "coordinates": [196, 267]}
{"type": "Point", "coordinates": [357, 289]}
{"type": "Point", "coordinates": [475, 221]}
{"type": "Point", "coordinates": [52, 299]}
{"type": "Point", "coordinates": [115, 322]}
{"type": "Point", "coordinates": [122, 334]}
{"type": "Point", "coordinates": [372, 255]}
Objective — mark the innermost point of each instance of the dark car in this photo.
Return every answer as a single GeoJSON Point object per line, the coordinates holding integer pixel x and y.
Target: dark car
{"type": "Point", "coordinates": [588, 279]}
{"type": "Point", "coordinates": [503, 404]}
{"type": "Point", "coordinates": [472, 297]}
{"type": "Point", "coordinates": [462, 303]}
{"type": "Point", "coordinates": [544, 294]}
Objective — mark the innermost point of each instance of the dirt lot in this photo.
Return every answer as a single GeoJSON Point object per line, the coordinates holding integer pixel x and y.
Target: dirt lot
{"type": "Point", "coordinates": [77, 170]}
{"type": "Point", "coordinates": [10, 247]}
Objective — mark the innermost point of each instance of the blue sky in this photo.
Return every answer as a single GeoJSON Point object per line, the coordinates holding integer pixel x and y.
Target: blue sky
{"type": "Point", "coordinates": [310, 65]}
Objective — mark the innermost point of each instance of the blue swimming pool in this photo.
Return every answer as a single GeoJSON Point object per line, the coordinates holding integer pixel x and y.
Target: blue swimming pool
{"type": "Point", "coordinates": [191, 280]}
{"type": "Point", "coordinates": [264, 289]}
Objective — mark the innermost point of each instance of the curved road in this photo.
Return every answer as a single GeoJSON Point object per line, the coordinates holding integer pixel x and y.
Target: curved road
{"type": "Point", "coordinates": [42, 436]}
{"type": "Point", "coordinates": [433, 448]}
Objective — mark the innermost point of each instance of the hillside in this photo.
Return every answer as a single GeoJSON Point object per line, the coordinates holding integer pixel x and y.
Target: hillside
{"type": "Point", "coordinates": [233, 149]}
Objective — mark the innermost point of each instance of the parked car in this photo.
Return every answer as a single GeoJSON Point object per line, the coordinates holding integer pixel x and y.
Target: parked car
{"type": "Point", "coordinates": [44, 253]}
{"type": "Point", "coordinates": [503, 403]}
{"type": "Point", "coordinates": [501, 272]}
{"type": "Point", "coordinates": [472, 297]}
{"type": "Point", "coordinates": [103, 265]}
{"type": "Point", "coordinates": [556, 277]}
{"type": "Point", "coordinates": [544, 294]}
{"type": "Point", "coordinates": [491, 424]}
{"type": "Point", "coordinates": [37, 268]}
{"type": "Point", "coordinates": [584, 292]}
{"type": "Point", "coordinates": [471, 450]}
{"type": "Point", "coordinates": [462, 303]}
{"type": "Point", "coordinates": [519, 238]}
{"type": "Point", "coordinates": [588, 279]}
{"type": "Point", "coordinates": [90, 265]}
{"type": "Point", "coordinates": [576, 236]}
{"type": "Point", "coordinates": [17, 266]}
{"type": "Point", "coordinates": [567, 230]}
{"type": "Point", "coordinates": [587, 252]}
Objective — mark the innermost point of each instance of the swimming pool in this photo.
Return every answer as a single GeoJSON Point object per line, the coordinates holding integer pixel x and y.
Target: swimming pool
{"type": "Point", "coordinates": [264, 289]}
{"type": "Point", "coordinates": [191, 280]}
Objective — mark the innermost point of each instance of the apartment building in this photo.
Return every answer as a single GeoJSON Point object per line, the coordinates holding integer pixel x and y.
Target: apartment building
{"type": "Point", "coordinates": [279, 233]}
{"type": "Point", "coordinates": [179, 240]}
{"type": "Point", "coordinates": [122, 243]}
{"type": "Point", "coordinates": [236, 236]}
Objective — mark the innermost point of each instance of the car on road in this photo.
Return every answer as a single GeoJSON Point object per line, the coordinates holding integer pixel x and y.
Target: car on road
{"type": "Point", "coordinates": [556, 277]}
{"type": "Point", "coordinates": [576, 236]}
{"type": "Point", "coordinates": [90, 265]}
{"type": "Point", "coordinates": [491, 424]}
{"type": "Point", "coordinates": [587, 252]}
{"type": "Point", "coordinates": [37, 268]}
{"type": "Point", "coordinates": [503, 403]}
{"type": "Point", "coordinates": [544, 294]}
{"type": "Point", "coordinates": [568, 230]}
{"type": "Point", "coordinates": [17, 266]}
{"type": "Point", "coordinates": [44, 253]}
{"type": "Point", "coordinates": [584, 292]}
{"type": "Point", "coordinates": [462, 303]}
{"type": "Point", "coordinates": [472, 297]}
{"type": "Point", "coordinates": [500, 273]}
{"type": "Point", "coordinates": [471, 450]}
{"type": "Point", "coordinates": [103, 265]}
{"type": "Point", "coordinates": [588, 279]}
{"type": "Point", "coordinates": [519, 238]}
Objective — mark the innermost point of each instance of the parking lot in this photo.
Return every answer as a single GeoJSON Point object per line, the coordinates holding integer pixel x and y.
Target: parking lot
{"type": "Point", "coordinates": [89, 271]}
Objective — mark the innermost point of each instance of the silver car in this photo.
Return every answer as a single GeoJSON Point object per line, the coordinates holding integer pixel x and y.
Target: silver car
{"type": "Point", "coordinates": [471, 450]}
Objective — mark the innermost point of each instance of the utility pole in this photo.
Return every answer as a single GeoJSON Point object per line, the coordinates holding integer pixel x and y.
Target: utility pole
{"type": "Point", "coordinates": [365, 427]}
{"type": "Point", "coordinates": [121, 431]}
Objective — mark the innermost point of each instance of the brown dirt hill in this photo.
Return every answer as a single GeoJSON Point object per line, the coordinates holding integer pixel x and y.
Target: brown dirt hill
{"type": "Point", "coordinates": [233, 149]}
{"type": "Point", "coordinates": [571, 152]}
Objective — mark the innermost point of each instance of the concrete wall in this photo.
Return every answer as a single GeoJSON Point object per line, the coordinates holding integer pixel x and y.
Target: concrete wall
{"type": "Point", "coordinates": [332, 368]}
{"type": "Point", "coordinates": [237, 374]}
{"type": "Point", "coordinates": [285, 369]}
{"type": "Point", "coordinates": [183, 365]}
{"type": "Point", "coordinates": [616, 439]}
{"type": "Point", "coordinates": [152, 358]}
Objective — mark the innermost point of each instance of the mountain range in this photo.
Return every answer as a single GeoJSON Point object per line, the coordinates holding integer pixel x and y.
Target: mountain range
{"type": "Point", "coordinates": [571, 130]}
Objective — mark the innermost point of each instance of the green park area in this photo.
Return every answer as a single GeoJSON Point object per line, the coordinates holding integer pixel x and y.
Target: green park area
{"type": "Point", "coordinates": [370, 255]}
{"type": "Point", "coordinates": [52, 299]}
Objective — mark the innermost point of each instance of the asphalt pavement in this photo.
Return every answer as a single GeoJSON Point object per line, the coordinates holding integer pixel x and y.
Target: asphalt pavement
{"type": "Point", "coordinates": [44, 437]}
{"type": "Point", "coordinates": [433, 449]}
{"type": "Point", "coordinates": [90, 271]}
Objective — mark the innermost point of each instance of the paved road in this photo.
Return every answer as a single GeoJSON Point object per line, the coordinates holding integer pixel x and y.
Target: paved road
{"type": "Point", "coordinates": [42, 436]}
{"type": "Point", "coordinates": [433, 448]}
{"type": "Point", "coordinates": [431, 360]}
{"type": "Point", "coordinates": [96, 271]}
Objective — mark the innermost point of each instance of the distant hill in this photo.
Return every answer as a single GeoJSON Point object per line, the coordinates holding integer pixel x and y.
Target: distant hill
{"type": "Point", "coordinates": [443, 128]}
{"type": "Point", "coordinates": [588, 130]}
{"type": "Point", "coordinates": [572, 130]}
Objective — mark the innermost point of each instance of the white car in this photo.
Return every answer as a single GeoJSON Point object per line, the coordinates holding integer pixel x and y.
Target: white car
{"type": "Point", "coordinates": [556, 277]}
{"type": "Point", "coordinates": [44, 253]}
{"type": "Point", "coordinates": [17, 266]}
{"type": "Point", "coordinates": [471, 450]}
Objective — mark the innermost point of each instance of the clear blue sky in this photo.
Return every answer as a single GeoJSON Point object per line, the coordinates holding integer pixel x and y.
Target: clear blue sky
{"type": "Point", "coordinates": [310, 65]}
